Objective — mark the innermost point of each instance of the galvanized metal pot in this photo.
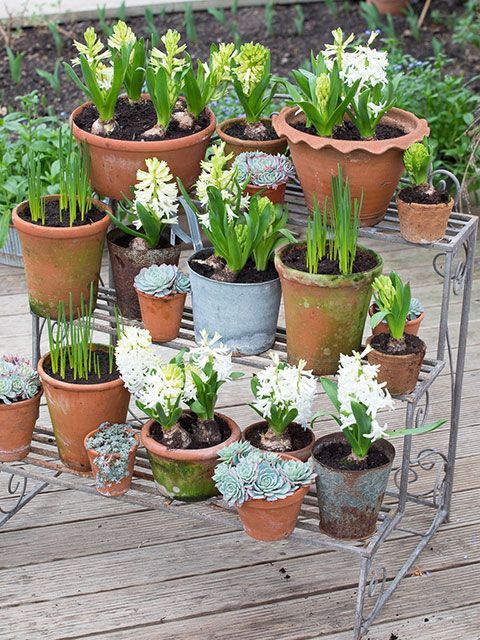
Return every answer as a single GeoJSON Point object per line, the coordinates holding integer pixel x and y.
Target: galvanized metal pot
{"type": "Point", "coordinates": [349, 500]}
{"type": "Point", "coordinates": [245, 315]}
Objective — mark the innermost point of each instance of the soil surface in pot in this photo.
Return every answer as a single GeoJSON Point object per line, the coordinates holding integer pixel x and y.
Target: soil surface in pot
{"type": "Point", "coordinates": [413, 344]}
{"type": "Point", "coordinates": [348, 131]}
{"type": "Point", "coordinates": [300, 438]}
{"type": "Point", "coordinates": [189, 423]}
{"type": "Point", "coordinates": [422, 194]}
{"type": "Point", "coordinates": [296, 258]}
{"type": "Point", "coordinates": [105, 375]}
{"type": "Point", "coordinates": [237, 130]}
{"type": "Point", "coordinates": [134, 119]}
{"type": "Point", "coordinates": [216, 269]}
{"type": "Point", "coordinates": [335, 455]}
{"type": "Point", "coordinates": [53, 219]}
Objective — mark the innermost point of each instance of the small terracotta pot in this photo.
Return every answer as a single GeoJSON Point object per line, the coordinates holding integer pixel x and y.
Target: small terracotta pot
{"type": "Point", "coordinates": [60, 260]}
{"type": "Point", "coordinates": [392, 7]}
{"type": "Point", "coordinates": [114, 163]}
{"type": "Point", "coordinates": [17, 422]}
{"type": "Point", "coordinates": [324, 314]}
{"type": "Point", "coordinates": [411, 326]}
{"type": "Point", "coordinates": [399, 372]}
{"type": "Point", "coordinates": [113, 489]}
{"type": "Point", "coordinates": [77, 409]}
{"type": "Point", "coordinates": [423, 223]}
{"type": "Point", "coordinates": [186, 474]}
{"type": "Point", "coordinates": [300, 454]}
{"type": "Point", "coordinates": [127, 264]}
{"type": "Point", "coordinates": [238, 146]}
{"type": "Point", "coordinates": [162, 316]}
{"type": "Point", "coordinates": [275, 195]}
{"type": "Point", "coordinates": [373, 167]}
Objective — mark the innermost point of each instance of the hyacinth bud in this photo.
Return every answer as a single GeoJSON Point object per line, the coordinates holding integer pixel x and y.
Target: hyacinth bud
{"type": "Point", "coordinates": [241, 233]}
{"type": "Point", "coordinates": [322, 91]}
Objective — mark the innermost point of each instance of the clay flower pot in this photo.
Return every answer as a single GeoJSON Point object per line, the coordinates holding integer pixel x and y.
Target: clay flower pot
{"type": "Point", "coordinates": [423, 223]}
{"type": "Point", "coordinates": [372, 167]}
{"type": "Point", "coordinates": [275, 195]}
{"type": "Point", "coordinates": [324, 314]}
{"type": "Point", "coordinates": [186, 474]}
{"type": "Point", "coordinates": [349, 500]}
{"type": "Point", "coordinates": [127, 264]}
{"type": "Point", "coordinates": [393, 7]}
{"type": "Point", "coordinates": [77, 409]}
{"type": "Point", "coordinates": [411, 326]}
{"type": "Point", "coordinates": [300, 454]}
{"type": "Point", "coordinates": [112, 489]}
{"type": "Point", "coordinates": [162, 316]}
{"type": "Point", "coordinates": [238, 146]}
{"type": "Point", "coordinates": [60, 260]}
{"type": "Point", "coordinates": [17, 422]}
{"type": "Point", "coordinates": [400, 372]}
{"type": "Point", "coordinates": [114, 163]}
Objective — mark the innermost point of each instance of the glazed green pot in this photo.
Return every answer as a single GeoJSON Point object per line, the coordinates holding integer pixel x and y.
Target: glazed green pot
{"type": "Point", "coordinates": [186, 474]}
{"type": "Point", "coordinates": [324, 314]}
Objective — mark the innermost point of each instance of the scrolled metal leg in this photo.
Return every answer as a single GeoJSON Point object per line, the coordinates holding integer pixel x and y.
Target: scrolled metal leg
{"type": "Point", "coordinates": [19, 485]}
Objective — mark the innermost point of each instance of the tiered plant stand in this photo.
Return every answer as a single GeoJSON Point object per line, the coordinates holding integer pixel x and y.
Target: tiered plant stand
{"type": "Point", "coordinates": [453, 260]}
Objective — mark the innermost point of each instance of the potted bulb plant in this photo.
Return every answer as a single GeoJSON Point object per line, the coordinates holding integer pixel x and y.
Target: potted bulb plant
{"type": "Point", "coordinates": [111, 450]}
{"type": "Point", "coordinates": [184, 433]}
{"type": "Point", "coordinates": [62, 236]}
{"type": "Point", "coordinates": [20, 393]}
{"type": "Point", "coordinates": [353, 465]}
{"type": "Point", "coordinates": [252, 82]}
{"type": "Point", "coordinates": [399, 354]}
{"type": "Point", "coordinates": [161, 293]}
{"type": "Point", "coordinates": [415, 316]}
{"type": "Point", "coordinates": [327, 284]}
{"type": "Point", "coordinates": [342, 113]}
{"type": "Point", "coordinates": [423, 210]}
{"type": "Point", "coordinates": [265, 174]}
{"type": "Point", "coordinates": [267, 489]}
{"type": "Point", "coordinates": [284, 397]}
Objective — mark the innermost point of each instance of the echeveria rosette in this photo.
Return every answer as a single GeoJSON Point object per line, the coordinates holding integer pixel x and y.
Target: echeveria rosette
{"type": "Point", "coordinates": [18, 380]}
{"type": "Point", "coordinates": [269, 483]}
{"type": "Point", "coordinates": [234, 452]}
{"type": "Point", "coordinates": [264, 169]}
{"type": "Point", "coordinates": [162, 280]}
{"type": "Point", "coordinates": [230, 486]}
{"type": "Point", "coordinates": [415, 309]}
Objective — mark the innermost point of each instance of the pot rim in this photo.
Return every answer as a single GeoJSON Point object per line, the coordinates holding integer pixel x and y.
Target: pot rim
{"type": "Point", "coordinates": [338, 435]}
{"type": "Point", "coordinates": [21, 403]}
{"type": "Point", "coordinates": [62, 233]}
{"type": "Point", "coordinates": [228, 284]}
{"type": "Point", "coordinates": [136, 146]}
{"type": "Point", "coordinates": [133, 448]}
{"type": "Point", "coordinates": [395, 357]}
{"type": "Point", "coordinates": [271, 187]}
{"type": "Point", "coordinates": [409, 322]}
{"type": "Point", "coordinates": [288, 453]}
{"type": "Point", "coordinates": [263, 504]}
{"type": "Point", "coordinates": [239, 142]}
{"type": "Point", "coordinates": [171, 296]}
{"type": "Point", "coordinates": [117, 231]}
{"type": "Point", "coordinates": [375, 147]}
{"type": "Point", "coordinates": [189, 455]}
{"type": "Point", "coordinates": [425, 208]}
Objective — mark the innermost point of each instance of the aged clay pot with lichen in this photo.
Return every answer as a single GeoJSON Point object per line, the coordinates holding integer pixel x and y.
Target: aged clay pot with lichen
{"type": "Point", "coordinates": [400, 372]}
{"type": "Point", "coordinates": [17, 422]}
{"type": "Point", "coordinates": [372, 167]}
{"type": "Point", "coordinates": [162, 316]}
{"type": "Point", "coordinates": [60, 261]}
{"type": "Point", "coordinates": [392, 7]}
{"type": "Point", "coordinates": [237, 145]}
{"type": "Point", "coordinates": [423, 223]}
{"type": "Point", "coordinates": [302, 454]}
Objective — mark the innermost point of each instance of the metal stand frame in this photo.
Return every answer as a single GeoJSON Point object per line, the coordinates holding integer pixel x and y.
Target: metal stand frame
{"type": "Point", "coordinates": [454, 261]}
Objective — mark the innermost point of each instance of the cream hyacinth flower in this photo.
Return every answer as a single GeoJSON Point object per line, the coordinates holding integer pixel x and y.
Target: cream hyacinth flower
{"type": "Point", "coordinates": [122, 35]}
{"type": "Point", "coordinates": [156, 190]}
{"type": "Point", "coordinates": [92, 49]}
{"type": "Point", "coordinates": [251, 60]}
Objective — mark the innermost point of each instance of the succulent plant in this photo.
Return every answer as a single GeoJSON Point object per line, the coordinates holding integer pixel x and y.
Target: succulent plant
{"type": "Point", "coordinates": [113, 443]}
{"type": "Point", "coordinates": [263, 169]}
{"type": "Point", "coordinates": [415, 310]}
{"type": "Point", "coordinates": [162, 280]}
{"type": "Point", "coordinates": [18, 380]}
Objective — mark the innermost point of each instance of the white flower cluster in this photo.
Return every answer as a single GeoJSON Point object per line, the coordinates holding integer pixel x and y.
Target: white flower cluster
{"type": "Point", "coordinates": [357, 381]}
{"type": "Point", "coordinates": [212, 351]}
{"type": "Point", "coordinates": [156, 191]}
{"type": "Point", "coordinates": [286, 387]}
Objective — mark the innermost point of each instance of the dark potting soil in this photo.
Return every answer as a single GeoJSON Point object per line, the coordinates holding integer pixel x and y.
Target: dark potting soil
{"type": "Point", "coordinates": [247, 275]}
{"type": "Point", "coordinates": [296, 258]}
{"type": "Point", "coordinates": [413, 344]}
{"type": "Point", "coordinates": [124, 240]}
{"type": "Point", "coordinates": [134, 119]}
{"type": "Point", "coordinates": [52, 216]}
{"type": "Point", "coordinates": [189, 423]}
{"type": "Point", "coordinates": [420, 195]}
{"type": "Point", "coordinates": [335, 455]}
{"type": "Point", "coordinates": [105, 375]}
{"type": "Point", "coordinates": [348, 131]}
{"type": "Point", "coordinates": [300, 437]}
{"type": "Point", "coordinates": [237, 130]}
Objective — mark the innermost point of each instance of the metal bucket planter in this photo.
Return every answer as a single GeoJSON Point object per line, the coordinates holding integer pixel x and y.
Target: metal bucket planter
{"type": "Point", "coordinates": [349, 500]}
{"type": "Point", "coordinates": [245, 315]}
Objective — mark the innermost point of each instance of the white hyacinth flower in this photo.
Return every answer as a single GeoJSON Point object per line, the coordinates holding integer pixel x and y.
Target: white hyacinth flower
{"type": "Point", "coordinates": [156, 191]}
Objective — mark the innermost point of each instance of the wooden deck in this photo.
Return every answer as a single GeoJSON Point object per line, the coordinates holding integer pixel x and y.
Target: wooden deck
{"type": "Point", "coordinates": [74, 565]}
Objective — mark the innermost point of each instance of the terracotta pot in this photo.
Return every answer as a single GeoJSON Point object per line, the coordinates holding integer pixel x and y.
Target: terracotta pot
{"type": "Point", "coordinates": [237, 145]}
{"type": "Point", "coordinates": [77, 409]}
{"type": "Point", "coordinates": [349, 500]}
{"type": "Point", "coordinates": [275, 195]}
{"type": "Point", "coordinates": [114, 163]}
{"type": "Point", "coordinates": [324, 314]}
{"type": "Point", "coordinates": [399, 372]}
{"type": "Point", "coordinates": [17, 422]}
{"type": "Point", "coordinates": [186, 474]}
{"type": "Point", "coordinates": [393, 7]}
{"type": "Point", "coordinates": [373, 167]}
{"type": "Point", "coordinates": [60, 260]}
{"type": "Point", "coordinates": [423, 223]}
{"type": "Point", "coordinates": [411, 326]}
{"type": "Point", "coordinates": [162, 316]}
{"type": "Point", "coordinates": [300, 454]}
{"type": "Point", "coordinates": [112, 489]}
{"type": "Point", "coordinates": [127, 264]}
